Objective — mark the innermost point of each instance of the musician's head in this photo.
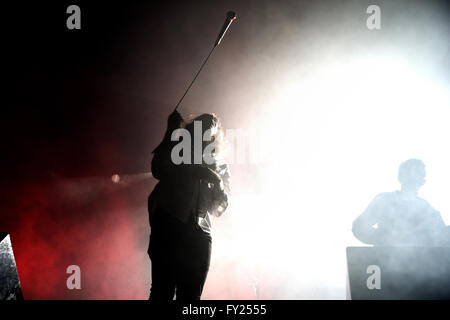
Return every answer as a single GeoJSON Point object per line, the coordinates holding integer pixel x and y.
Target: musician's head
{"type": "Point", "coordinates": [411, 175]}
{"type": "Point", "coordinates": [211, 130]}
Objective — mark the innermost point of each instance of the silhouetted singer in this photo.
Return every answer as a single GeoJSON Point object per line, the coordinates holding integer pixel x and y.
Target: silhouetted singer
{"type": "Point", "coordinates": [402, 218]}
{"type": "Point", "coordinates": [179, 210]}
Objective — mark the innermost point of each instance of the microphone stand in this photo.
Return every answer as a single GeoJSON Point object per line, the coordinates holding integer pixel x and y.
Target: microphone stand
{"type": "Point", "coordinates": [193, 80]}
{"type": "Point", "coordinates": [231, 16]}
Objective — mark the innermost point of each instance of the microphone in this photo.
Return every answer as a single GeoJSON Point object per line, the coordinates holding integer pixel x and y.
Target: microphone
{"type": "Point", "coordinates": [231, 16]}
{"type": "Point", "coordinates": [228, 20]}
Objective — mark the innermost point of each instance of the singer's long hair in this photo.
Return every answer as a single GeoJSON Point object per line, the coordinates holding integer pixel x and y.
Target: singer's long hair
{"type": "Point", "coordinates": [210, 121]}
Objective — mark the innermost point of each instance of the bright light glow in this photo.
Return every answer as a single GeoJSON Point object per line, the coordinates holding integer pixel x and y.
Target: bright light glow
{"type": "Point", "coordinates": [115, 178]}
{"type": "Point", "coordinates": [346, 129]}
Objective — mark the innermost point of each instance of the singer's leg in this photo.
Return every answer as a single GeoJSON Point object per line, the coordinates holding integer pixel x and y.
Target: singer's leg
{"type": "Point", "coordinates": [162, 261]}
{"type": "Point", "coordinates": [194, 265]}
{"type": "Point", "coordinates": [163, 284]}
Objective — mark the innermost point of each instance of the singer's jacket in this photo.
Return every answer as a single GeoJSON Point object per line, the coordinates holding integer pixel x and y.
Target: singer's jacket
{"type": "Point", "coordinates": [188, 192]}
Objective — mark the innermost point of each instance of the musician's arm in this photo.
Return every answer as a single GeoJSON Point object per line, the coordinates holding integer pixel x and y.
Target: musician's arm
{"type": "Point", "coordinates": [363, 226]}
{"type": "Point", "coordinates": [221, 192]}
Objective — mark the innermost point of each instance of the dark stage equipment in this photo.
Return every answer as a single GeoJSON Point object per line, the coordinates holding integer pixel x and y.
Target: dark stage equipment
{"type": "Point", "coordinates": [398, 273]}
{"type": "Point", "coordinates": [9, 278]}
